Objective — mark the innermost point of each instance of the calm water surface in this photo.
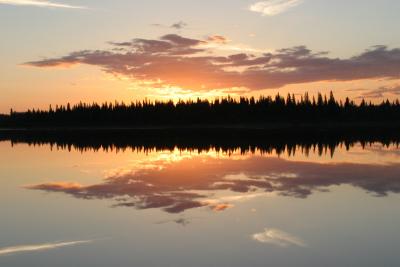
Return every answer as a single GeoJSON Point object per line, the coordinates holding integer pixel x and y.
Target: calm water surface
{"type": "Point", "coordinates": [184, 208]}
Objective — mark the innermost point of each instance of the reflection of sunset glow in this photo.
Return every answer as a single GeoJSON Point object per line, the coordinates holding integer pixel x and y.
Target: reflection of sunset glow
{"type": "Point", "coordinates": [224, 201]}
{"type": "Point", "coordinates": [160, 159]}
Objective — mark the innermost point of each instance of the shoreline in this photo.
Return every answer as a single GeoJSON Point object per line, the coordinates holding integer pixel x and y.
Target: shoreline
{"type": "Point", "coordinates": [237, 127]}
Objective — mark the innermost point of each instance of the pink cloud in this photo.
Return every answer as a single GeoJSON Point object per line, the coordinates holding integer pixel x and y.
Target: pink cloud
{"type": "Point", "coordinates": [174, 60]}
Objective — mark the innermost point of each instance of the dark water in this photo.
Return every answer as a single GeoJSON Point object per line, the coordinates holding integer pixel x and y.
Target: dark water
{"type": "Point", "coordinates": [327, 202]}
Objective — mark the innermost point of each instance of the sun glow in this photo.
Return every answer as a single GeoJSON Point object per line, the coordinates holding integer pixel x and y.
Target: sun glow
{"type": "Point", "coordinates": [176, 93]}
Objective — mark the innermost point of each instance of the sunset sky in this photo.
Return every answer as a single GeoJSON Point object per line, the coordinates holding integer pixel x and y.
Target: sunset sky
{"type": "Point", "coordinates": [59, 51]}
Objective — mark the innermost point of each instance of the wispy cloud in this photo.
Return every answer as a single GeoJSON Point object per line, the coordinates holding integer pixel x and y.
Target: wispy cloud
{"type": "Point", "coordinates": [274, 7]}
{"type": "Point", "coordinates": [38, 3]}
{"type": "Point", "coordinates": [279, 238]}
{"type": "Point", "coordinates": [218, 39]}
{"type": "Point", "coordinates": [178, 25]}
{"type": "Point", "coordinates": [39, 247]}
{"type": "Point", "coordinates": [379, 92]}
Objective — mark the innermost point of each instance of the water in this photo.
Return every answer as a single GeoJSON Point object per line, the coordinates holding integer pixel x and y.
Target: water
{"type": "Point", "coordinates": [184, 207]}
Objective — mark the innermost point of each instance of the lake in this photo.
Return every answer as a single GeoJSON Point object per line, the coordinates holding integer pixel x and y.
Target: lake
{"type": "Point", "coordinates": [314, 204]}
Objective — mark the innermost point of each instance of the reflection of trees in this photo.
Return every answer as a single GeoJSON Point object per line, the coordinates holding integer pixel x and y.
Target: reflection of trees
{"type": "Point", "coordinates": [290, 140]}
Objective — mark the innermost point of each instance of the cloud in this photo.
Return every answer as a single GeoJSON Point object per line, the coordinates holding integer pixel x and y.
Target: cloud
{"type": "Point", "coordinates": [380, 92]}
{"type": "Point", "coordinates": [65, 186]}
{"type": "Point", "coordinates": [39, 3]}
{"type": "Point", "coordinates": [179, 25]}
{"type": "Point", "coordinates": [274, 7]}
{"type": "Point", "coordinates": [39, 247]}
{"type": "Point", "coordinates": [217, 39]}
{"type": "Point", "coordinates": [177, 61]}
{"type": "Point", "coordinates": [279, 238]}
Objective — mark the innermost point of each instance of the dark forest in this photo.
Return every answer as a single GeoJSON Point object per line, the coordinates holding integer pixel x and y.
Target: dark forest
{"type": "Point", "coordinates": [224, 111]}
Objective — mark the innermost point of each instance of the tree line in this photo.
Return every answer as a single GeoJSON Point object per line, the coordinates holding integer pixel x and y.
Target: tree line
{"type": "Point", "coordinates": [221, 111]}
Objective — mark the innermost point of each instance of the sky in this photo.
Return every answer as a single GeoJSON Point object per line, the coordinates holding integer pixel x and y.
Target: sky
{"type": "Point", "coordinates": [59, 51]}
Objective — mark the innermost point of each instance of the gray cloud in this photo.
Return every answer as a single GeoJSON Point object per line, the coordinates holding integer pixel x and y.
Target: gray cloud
{"type": "Point", "coordinates": [175, 60]}
{"type": "Point", "coordinates": [179, 25]}
{"type": "Point", "coordinates": [380, 92]}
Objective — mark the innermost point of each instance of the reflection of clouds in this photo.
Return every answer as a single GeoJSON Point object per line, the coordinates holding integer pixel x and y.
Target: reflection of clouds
{"type": "Point", "coordinates": [221, 207]}
{"type": "Point", "coordinates": [224, 200]}
{"type": "Point", "coordinates": [279, 238]}
{"type": "Point", "coordinates": [39, 247]}
{"type": "Point", "coordinates": [192, 182]}
{"type": "Point", "coordinates": [180, 221]}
